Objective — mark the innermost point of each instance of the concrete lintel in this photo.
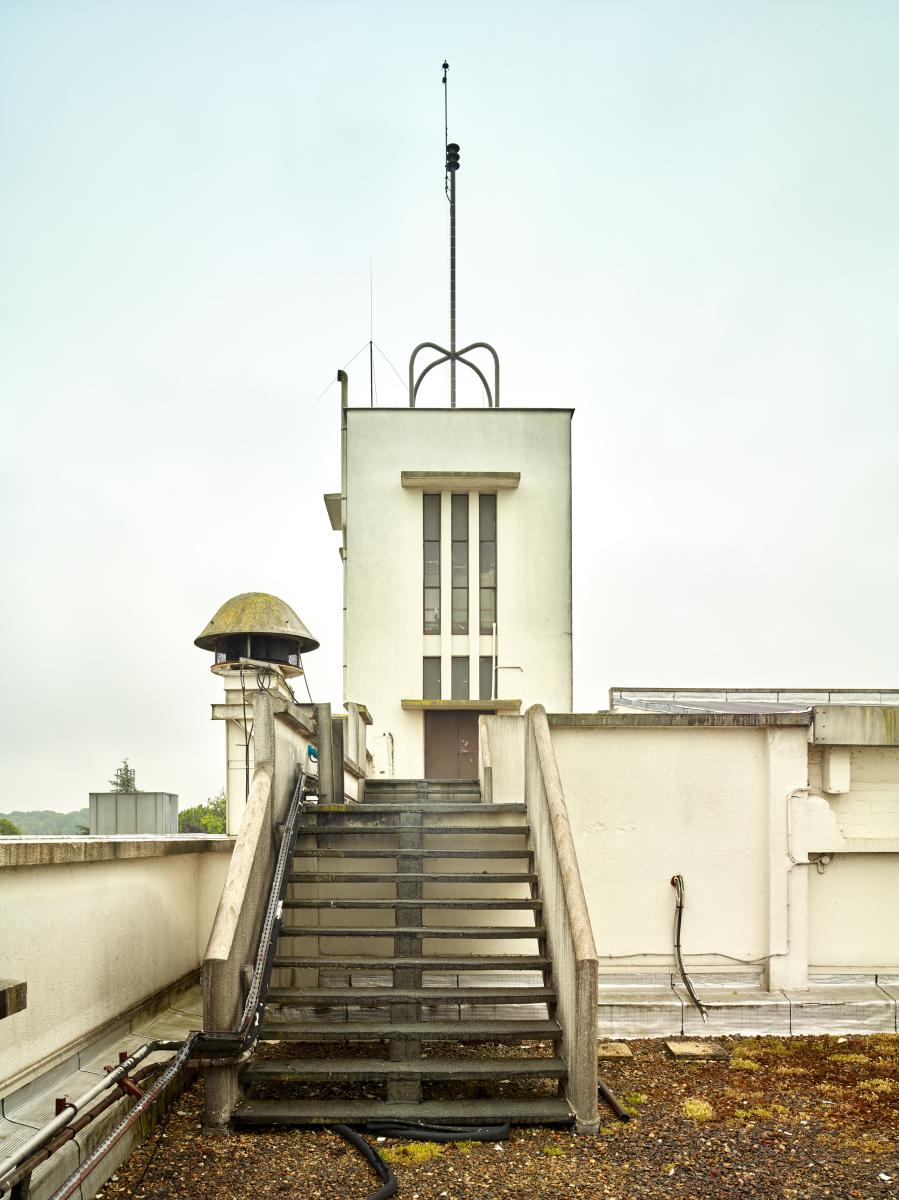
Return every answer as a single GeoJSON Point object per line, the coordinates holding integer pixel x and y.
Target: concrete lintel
{"type": "Point", "coordinates": [468, 481]}
{"type": "Point", "coordinates": [659, 720]}
{"type": "Point", "coordinates": [484, 706]}
{"type": "Point", "coordinates": [57, 851]}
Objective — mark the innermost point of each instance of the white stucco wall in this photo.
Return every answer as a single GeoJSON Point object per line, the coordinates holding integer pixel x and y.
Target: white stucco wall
{"type": "Point", "coordinates": [741, 813]}
{"type": "Point", "coordinates": [852, 914]}
{"type": "Point", "coordinates": [384, 643]}
{"type": "Point", "coordinates": [92, 939]}
{"type": "Point", "coordinates": [646, 804]}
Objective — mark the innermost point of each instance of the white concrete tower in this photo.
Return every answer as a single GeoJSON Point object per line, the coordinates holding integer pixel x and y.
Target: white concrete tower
{"type": "Point", "coordinates": [456, 527]}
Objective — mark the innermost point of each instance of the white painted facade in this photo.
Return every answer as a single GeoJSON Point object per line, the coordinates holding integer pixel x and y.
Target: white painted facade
{"type": "Point", "coordinates": [391, 459]}
{"type": "Point", "coordinates": [789, 849]}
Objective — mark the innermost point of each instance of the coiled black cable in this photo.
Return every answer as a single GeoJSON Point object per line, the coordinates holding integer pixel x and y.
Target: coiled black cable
{"type": "Point", "coordinates": [438, 1133]}
{"type": "Point", "coordinates": [382, 1169]}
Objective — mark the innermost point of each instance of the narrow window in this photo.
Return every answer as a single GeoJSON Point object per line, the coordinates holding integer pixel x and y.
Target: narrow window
{"type": "Point", "coordinates": [460, 563]}
{"type": "Point", "coordinates": [487, 560]}
{"type": "Point", "coordinates": [431, 563]}
{"type": "Point", "coordinates": [430, 686]}
{"type": "Point", "coordinates": [486, 680]}
{"type": "Point", "coordinates": [460, 679]}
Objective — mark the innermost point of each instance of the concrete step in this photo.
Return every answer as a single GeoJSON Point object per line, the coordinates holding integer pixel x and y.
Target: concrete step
{"type": "Point", "coordinates": [499, 933]}
{"type": "Point", "coordinates": [542, 1111]}
{"type": "Point", "coordinates": [458, 809]}
{"type": "Point", "coordinates": [448, 791]}
{"type": "Point", "coordinates": [370, 829]}
{"type": "Point", "coordinates": [378, 786]}
{"type": "Point", "coordinates": [386, 905]}
{"type": "Point", "coordinates": [412, 877]}
{"type": "Point", "coordinates": [307, 1070]}
{"type": "Point", "coordinates": [480, 962]}
{"type": "Point", "coordinates": [508, 1032]}
{"type": "Point", "coordinates": [395, 852]}
{"type": "Point", "coordinates": [367, 996]}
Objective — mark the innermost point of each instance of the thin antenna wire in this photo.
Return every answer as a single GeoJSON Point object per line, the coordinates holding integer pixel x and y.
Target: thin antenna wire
{"type": "Point", "coordinates": [371, 335]}
{"type": "Point", "coordinates": [343, 368]}
{"type": "Point", "coordinates": [390, 364]}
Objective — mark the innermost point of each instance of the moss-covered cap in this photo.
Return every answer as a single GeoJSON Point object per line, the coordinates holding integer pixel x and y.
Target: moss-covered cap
{"type": "Point", "coordinates": [256, 612]}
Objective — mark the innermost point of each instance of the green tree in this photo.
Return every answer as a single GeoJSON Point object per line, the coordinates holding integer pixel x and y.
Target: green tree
{"type": "Point", "coordinates": [8, 829]}
{"type": "Point", "coordinates": [204, 818]}
{"type": "Point", "coordinates": [124, 778]}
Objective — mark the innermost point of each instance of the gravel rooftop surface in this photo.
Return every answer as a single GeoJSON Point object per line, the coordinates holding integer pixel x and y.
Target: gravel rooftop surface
{"type": "Point", "coordinates": [803, 1117]}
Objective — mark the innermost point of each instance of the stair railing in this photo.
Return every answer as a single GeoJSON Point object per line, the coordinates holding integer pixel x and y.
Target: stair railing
{"type": "Point", "coordinates": [235, 971]}
{"type": "Point", "coordinates": [569, 934]}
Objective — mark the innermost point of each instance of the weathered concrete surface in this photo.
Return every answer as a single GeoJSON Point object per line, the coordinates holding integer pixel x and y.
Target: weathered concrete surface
{"type": "Point", "coordinates": [63, 851]}
{"type": "Point", "coordinates": [609, 1051]}
{"type": "Point", "coordinates": [664, 720]}
{"type": "Point", "coordinates": [569, 934]}
{"type": "Point", "coordinates": [697, 1051]}
{"type": "Point", "coordinates": [856, 725]}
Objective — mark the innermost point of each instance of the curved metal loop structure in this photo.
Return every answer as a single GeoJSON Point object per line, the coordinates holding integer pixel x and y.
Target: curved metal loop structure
{"type": "Point", "coordinates": [454, 356]}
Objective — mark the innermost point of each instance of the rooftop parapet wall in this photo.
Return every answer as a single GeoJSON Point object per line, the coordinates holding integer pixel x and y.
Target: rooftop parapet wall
{"type": "Point", "coordinates": [785, 846]}
{"type": "Point", "coordinates": [788, 848]}
{"type": "Point", "coordinates": [95, 926]}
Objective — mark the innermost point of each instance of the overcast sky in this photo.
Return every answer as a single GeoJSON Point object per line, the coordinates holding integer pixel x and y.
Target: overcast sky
{"type": "Point", "coordinates": [679, 218]}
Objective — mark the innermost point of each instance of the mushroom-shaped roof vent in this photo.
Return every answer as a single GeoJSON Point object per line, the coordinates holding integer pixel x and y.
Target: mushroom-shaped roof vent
{"type": "Point", "coordinates": [252, 623]}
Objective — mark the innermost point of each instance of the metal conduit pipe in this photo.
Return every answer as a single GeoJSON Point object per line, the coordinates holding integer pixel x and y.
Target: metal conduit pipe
{"type": "Point", "coordinates": [28, 1165]}
{"type": "Point", "coordinates": [64, 1117]}
{"type": "Point", "coordinates": [143, 1105]}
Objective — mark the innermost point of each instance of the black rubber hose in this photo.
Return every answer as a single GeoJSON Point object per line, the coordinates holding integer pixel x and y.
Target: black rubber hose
{"type": "Point", "coordinates": [382, 1169]}
{"type": "Point", "coordinates": [677, 882]}
{"type": "Point", "coordinates": [439, 1133]}
{"type": "Point", "coordinates": [612, 1100]}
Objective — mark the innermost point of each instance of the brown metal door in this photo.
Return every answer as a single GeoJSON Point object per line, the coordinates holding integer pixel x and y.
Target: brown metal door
{"type": "Point", "coordinates": [451, 744]}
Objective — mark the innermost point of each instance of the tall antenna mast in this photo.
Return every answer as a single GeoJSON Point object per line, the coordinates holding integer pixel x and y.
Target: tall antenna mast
{"type": "Point", "coordinates": [449, 177]}
{"type": "Point", "coordinates": [452, 356]}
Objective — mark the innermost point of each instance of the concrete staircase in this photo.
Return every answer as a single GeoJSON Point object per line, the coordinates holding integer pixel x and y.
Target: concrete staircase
{"type": "Point", "coordinates": [411, 980]}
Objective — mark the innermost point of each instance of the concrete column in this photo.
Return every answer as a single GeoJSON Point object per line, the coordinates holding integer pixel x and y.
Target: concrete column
{"type": "Point", "coordinates": [337, 757]}
{"type": "Point", "coordinates": [325, 754]}
{"type": "Point", "coordinates": [787, 880]}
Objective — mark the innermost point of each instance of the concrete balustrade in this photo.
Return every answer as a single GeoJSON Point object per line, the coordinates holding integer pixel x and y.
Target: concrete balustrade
{"type": "Point", "coordinates": [568, 932]}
